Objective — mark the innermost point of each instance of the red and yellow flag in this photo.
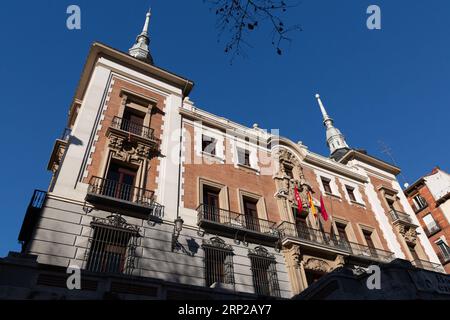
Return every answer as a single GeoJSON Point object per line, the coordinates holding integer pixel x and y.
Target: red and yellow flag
{"type": "Point", "coordinates": [311, 205]}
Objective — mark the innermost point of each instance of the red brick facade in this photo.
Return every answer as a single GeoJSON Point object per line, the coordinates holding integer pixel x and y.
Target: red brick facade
{"type": "Point", "coordinates": [438, 216]}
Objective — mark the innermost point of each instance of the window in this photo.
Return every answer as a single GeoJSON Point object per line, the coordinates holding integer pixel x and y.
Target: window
{"type": "Point", "coordinates": [251, 214]}
{"type": "Point", "coordinates": [391, 204]}
{"type": "Point", "coordinates": [211, 203]}
{"type": "Point", "coordinates": [112, 245]}
{"type": "Point", "coordinates": [218, 262]}
{"type": "Point", "coordinates": [419, 202]}
{"type": "Point", "coordinates": [132, 121]}
{"type": "Point", "coordinates": [243, 156]}
{"type": "Point", "coordinates": [288, 171]}
{"type": "Point", "coordinates": [120, 182]}
{"type": "Point", "coordinates": [431, 225]}
{"type": "Point", "coordinates": [342, 241]}
{"type": "Point", "coordinates": [351, 193]}
{"type": "Point", "coordinates": [368, 237]}
{"type": "Point", "coordinates": [301, 225]}
{"type": "Point", "coordinates": [264, 272]}
{"type": "Point", "coordinates": [445, 251]}
{"type": "Point", "coordinates": [341, 231]}
{"type": "Point", "coordinates": [209, 145]}
{"type": "Point", "coordinates": [326, 185]}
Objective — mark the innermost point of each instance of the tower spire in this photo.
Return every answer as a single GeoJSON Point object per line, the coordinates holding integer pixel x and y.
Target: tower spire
{"type": "Point", "coordinates": [140, 49]}
{"type": "Point", "coordinates": [335, 139]}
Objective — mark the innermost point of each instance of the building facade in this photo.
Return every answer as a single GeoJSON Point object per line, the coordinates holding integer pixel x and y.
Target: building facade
{"type": "Point", "coordinates": [149, 188]}
{"type": "Point", "coordinates": [429, 197]}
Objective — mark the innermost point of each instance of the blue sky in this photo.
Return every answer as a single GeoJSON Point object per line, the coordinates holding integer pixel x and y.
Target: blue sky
{"type": "Point", "coordinates": [390, 84]}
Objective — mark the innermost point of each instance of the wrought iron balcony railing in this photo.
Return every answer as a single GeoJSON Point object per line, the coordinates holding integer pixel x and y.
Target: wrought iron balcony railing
{"type": "Point", "coordinates": [220, 217]}
{"type": "Point", "coordinates": [66, 134]}
{"type": "Point", "coordinates": [134, 128]}
{"type": "Point", "coordinates": [364, 251]}
{"type": "Point", "coordinates": [400, 216]}
{"type": "Point", "coordinates": [32, 216]}
{"type": "Point", "coordinates": [321, 239]}
{"type": "Point", "coordinates": [427, 265]}
{"type": "Point", "coordinates": [100, 188]}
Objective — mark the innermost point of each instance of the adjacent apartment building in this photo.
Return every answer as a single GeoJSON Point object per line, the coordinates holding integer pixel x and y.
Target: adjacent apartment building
{"type": "Point", "coordinates": [153, 197]}
{"type": "Point", "coordinates": [429, 196]}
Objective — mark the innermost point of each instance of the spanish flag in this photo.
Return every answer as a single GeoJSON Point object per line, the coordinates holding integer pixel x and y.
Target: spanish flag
{"type": "Point", "coordinates": [311, 205]}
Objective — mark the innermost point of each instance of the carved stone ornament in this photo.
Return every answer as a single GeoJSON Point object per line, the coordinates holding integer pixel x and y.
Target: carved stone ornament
{"type": "Point", "coordinates": [317, 265]}
{"type": "Point", "coordinates": [409, 233]}
{"type": "Point", "coordinates": [128, 151]}
{"type": "Point", "coordinates": [287, 185]}
{"type": "Point", "coordinates": [218, 243]}
{"type": "Point", "coordinates": [284, 156]}
{"type": "Point", "coordinates": [115, 221]}
{"type": "Point", "coordinates": [261, 252]}
{"type": "Point", "coordinates": [294, 254]}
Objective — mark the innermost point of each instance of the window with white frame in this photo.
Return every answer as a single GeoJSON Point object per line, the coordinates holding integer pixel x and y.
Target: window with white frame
{"type": "Point", "coordinates": [351, 193]}
{"type": "Point", "coordinates": [444, 251]}
{"type": "Point", "coordinates": [243, 156]}
{"type": "Point", "coordinates": [326, 184]}
{"type": "Point", "coordinates": [209, 145]}
{"type": "Point", "coordinates": [419, 202]}
{"type": "Point", "coordinates": [431, 224]}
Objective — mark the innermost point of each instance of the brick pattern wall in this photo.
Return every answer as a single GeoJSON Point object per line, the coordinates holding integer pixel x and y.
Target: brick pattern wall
{"type": "Point", "coordinates": [225, 174]}
{"type": "Point", "coordinates": [438, 216]}
{"type": "Point", "coordinates": [264, 185]}
{"type": "Point", "coordinates": [112, 109]}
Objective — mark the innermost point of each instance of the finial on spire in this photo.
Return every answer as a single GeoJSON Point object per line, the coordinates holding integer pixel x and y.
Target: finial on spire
{"type": "Point", "coordinates": [335, 139]}
{"type": "Point", "coordinates": [147, 22]}
{"type": "Point", "coordinates": [140, 49]}
{"type": "Point", "coordinates": [322, 109]}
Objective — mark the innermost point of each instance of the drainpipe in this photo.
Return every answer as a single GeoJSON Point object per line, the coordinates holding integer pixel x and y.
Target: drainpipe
{"type": "Point", "coordinates": [179, 154]}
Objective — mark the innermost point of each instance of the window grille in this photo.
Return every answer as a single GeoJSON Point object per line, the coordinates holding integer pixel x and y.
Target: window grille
{"type": "Point", "coordinates": [218, 262]}
{"type": "Point", "coordinates": [112, 245]}
{"type": "Point", "coordinates": [264, 272]}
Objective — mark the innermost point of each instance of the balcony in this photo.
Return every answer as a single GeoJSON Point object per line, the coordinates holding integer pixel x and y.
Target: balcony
{"type": "Point", "coordinates": [115, 194]}
{"type": "Point", "coordinates": [427, 265]}
{"type": "Point", "coordinates": [398, 216]}
{"type": "Point", "coordinates": [134, 128]}
{"type": "Point", "coordinates": [58, 150]}
{"type": "Point", "coordinates": [32, 216]}
{"type": "Point", "coordinates": [326, 242]}
{"type": "Point", "coordinates": [228, 223]}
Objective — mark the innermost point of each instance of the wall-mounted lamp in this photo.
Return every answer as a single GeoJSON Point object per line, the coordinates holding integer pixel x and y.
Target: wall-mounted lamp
{"type": "Point", "coordinates": [177, 227]}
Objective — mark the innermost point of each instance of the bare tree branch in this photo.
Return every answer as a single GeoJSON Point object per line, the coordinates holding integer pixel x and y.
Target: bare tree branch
{"type": "Point", "coordinates": [238, 18]}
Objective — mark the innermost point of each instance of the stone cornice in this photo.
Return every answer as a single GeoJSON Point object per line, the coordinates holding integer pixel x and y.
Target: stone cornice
{"type": "Point", "coordinates": [98, 50]}
{"type": "Point", "coordinates": [377, 163]}
{"type": "Point", "coordinates": [335, 167]}
{"type": "Point", "coordinates": [225, 124]}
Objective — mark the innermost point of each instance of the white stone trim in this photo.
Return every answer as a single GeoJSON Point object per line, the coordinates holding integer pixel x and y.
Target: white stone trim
{"type": "Point", "coordinates": [333, 185]}
{"type": "Point", "coordinates": [383, 221]}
